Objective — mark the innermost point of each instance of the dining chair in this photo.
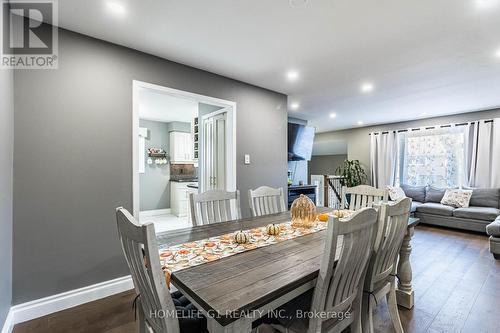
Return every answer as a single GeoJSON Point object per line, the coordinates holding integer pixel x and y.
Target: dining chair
{"type": "Point", "coordinates": [380, 278]}
{"type": "Point", "coordinates": [214, 206]}
{"type": "Point", "coordinates": [155, 304]}
{"type": "Point", "coordinates": [266, 200]}
{"type": "Point", "coordinates": [339, 287]}
{"type": "Point", "coordinates": [362, 196]}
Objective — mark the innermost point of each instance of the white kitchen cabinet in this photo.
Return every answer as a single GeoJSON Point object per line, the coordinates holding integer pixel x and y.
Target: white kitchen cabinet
{"type": "Point", "coordinates": [179, 197]}
{"type": "Point", "coordinates": [181, 148]}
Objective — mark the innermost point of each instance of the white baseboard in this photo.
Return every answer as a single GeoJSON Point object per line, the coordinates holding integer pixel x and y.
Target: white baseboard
{"type": "Point", "coordinates": [47, 305]}
{"type": "Point", "coordinates": [8, 325]}
{"type": "Point", "coordinates": [155, 212]}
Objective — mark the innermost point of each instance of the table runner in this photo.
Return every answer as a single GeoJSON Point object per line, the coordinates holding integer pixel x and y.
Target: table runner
{"type": "Point", "coordinates": [177, 257]}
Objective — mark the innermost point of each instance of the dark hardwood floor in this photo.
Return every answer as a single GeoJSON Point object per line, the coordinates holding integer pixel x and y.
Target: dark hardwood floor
{"type": "Point", "coordinates": [456, 282]}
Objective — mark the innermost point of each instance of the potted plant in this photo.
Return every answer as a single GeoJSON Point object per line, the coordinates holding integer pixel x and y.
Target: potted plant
{"type": "Point", "coordinates": [352, 174]}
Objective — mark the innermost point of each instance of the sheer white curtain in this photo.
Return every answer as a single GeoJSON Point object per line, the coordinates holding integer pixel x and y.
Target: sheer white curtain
{"type": "Point", "coordinates": [483, 153]}
{"type": "Point", "coordinates": [383, 158]}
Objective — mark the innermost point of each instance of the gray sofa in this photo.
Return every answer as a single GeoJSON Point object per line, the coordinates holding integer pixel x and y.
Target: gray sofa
{"type": "Point", "coordinates": [483, 208]}
{"type": "Point", "coordinates": [493, 229]}
{"type": "Point", "coordinates": [482, 215]}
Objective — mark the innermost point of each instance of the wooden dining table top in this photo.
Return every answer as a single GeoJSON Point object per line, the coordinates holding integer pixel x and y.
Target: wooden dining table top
{"type": "Point", "coordinates": [250, 279]}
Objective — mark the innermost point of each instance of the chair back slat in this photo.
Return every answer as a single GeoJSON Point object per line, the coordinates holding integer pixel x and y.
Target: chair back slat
{"type": "Point", "coordinates": [214, 206]}
{"type": "Point", "coordinates": [393, 222]}
{"type": "Point", "coordinates": [363, 196]}
{"type": "Point", "coordinates": [266, 200]}
{"type": "Point", "coordinates": [141, 252]}
{"type": "Point", "coordinates": [348, 246]}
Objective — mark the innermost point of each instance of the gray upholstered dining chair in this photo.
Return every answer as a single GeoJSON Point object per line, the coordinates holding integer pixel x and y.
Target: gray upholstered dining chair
{"type": "Point", "coordinates": [363, 196]}
{"type": "Point", "coordinates": [339, 287]}
{"type": "Point", "coordinates": [141, 252]}
{"type": "Point", "coordinates": [266, 200]}
{"type": "Point", "coordinates": [380, 280]}
{"type": "Point", "coordinates": [214, 206]}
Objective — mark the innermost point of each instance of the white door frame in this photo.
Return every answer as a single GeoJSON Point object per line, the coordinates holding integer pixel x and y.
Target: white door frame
{"type": "Point", "coordinates": [228, 106]}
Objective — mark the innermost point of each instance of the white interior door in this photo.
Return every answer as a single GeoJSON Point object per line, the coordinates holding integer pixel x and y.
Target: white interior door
{"type": "Point", "coordinates": [214, 151]}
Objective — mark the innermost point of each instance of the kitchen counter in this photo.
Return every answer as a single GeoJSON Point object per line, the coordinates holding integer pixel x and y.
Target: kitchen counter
{"type": "Point", "coordinates": [186, 180]}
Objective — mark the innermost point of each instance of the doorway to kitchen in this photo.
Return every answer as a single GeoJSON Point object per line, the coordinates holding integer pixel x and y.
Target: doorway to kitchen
{"type": "Point", "coordinates": [182, 143]}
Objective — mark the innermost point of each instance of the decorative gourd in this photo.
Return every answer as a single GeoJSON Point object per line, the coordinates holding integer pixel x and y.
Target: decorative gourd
{"type": "Point", "coordinates": [273, 229]}
{"type": "Point", "coordinates": [323, 217]}
{"type": "Point", "coordinates": [241, 238]}
{"type": "Point", "coordinates": [341, 213]}
{"type": "Point", "coordinates": [303, 212]}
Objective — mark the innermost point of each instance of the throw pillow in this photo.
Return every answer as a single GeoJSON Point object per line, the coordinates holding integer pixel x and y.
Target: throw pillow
{"type": "Point", "coordinates": [456, 198]}
{"type": "Point", "coordinates": [396, 193]}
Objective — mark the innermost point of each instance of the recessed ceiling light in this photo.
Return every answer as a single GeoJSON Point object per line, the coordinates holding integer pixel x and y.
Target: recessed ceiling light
{"type": "Point", "coordinates": [292, 75]}
{"type": "Point", "coordinates": [485, 4]}
{"type": "Point", "coordinates": [367, 87]}
{"type": "Point", "coordinates": [116, 8]}
{"type": "Point", "coordinates": [294, 106]}
{"type": "Point", "coordinates": [497, 53]}
{"type": "Point", "coordinates": [360, 123]}
{"type": "Point", "coordinates": [333, 115]}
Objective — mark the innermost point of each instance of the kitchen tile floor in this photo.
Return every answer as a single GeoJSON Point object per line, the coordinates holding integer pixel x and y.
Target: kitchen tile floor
{"type": "Point", "coordinates": [166, 222]}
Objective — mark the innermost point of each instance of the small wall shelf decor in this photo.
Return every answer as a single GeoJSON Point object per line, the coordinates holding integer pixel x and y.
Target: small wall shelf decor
{"type": "Point", "coordinates": [157, 156]}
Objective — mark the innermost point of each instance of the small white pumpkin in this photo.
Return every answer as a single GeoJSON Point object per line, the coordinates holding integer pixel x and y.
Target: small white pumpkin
{"type": "Point", "coordinates": [273, 229]}
{"type": "Point", "coordinates": [241, 237]}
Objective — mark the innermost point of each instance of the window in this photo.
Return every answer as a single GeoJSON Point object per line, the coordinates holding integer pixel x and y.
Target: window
{"type": "Point", "coordinates": [432, 157]}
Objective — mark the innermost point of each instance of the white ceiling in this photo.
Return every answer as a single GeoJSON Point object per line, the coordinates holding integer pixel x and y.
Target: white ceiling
{"type": "Point", "coordinates": [432, 56]}
{"type": "Point", "coordinates": [158, 106]}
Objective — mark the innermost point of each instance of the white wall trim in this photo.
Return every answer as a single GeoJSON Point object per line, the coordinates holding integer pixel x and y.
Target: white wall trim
{"type": "Point", "coordinates": [8, 325]}
{"type": "Point", "coordinates": [47, 305]}
{"type": "Point", "coordinates": [154, 212]}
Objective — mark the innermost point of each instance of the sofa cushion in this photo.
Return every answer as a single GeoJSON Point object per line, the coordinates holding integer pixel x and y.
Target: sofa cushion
{"type": "Point", "coordinates": [434, 194]}
{"type": "Point", "coordinates": [417, 193]}
{"type": "Point", "coordinates": [493, 229]}
{"type": "Point", "coordinates": [436, 209]}
{"type": "Point", "coordinates": [414, 206]}
{"type": "Point", "coordinates": [457, 198]}
{"type": "Point", "coordinates": [477, 213]}
{"type": "Point", "coordinates": [485, 197]}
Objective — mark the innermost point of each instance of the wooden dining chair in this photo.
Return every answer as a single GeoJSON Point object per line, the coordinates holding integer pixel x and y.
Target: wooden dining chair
{"type": "Point", "coordinates": [155, 304]}
{"type": "Point", "coordinates": [339, 287]}
{"type": "Point", "coordinates": [380, 280]}
{"type": "Point", "coordinates": [214, 206]}
{"type": "Point", "coordinates": [363, 196]}
{"type": "Point", "coordinates": [266, 200]}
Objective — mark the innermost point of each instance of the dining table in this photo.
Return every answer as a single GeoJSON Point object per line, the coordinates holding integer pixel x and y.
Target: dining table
{"type": "Point", "coordinates": [234, 291]}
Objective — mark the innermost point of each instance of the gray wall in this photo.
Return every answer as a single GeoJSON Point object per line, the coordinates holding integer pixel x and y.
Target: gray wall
{"type": "Point", "coordinates": [325, 164]}
{"type": "Point", "coordinates": [73, 157]}
{"type": "Point", "coordinates": [6, 147]}
{"type": "Point", "coordinates": [358, 139]}
{"type": "Point", "coordinates": [298, 168]}
{"type": "Point", "coordinates": [154, 182]}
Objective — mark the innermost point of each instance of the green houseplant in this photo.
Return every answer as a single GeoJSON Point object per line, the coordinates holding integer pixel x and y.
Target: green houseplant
{"type": "Point", "coordinates": [352, 173]}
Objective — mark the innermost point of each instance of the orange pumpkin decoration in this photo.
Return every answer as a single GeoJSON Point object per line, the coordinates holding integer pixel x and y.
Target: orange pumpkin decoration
{"type": "Point", "coordinates": [323, 217]}
{"type": "Point", "coordinates": [303, 212]}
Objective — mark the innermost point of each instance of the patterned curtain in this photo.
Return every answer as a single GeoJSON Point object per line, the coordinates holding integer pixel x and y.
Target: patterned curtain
{"type": "Point", "coordinates": [434, 157]}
